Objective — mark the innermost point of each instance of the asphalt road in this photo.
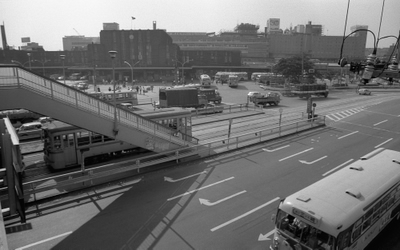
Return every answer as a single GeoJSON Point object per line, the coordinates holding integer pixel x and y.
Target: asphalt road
{"type": "Point", "coordinates": [223, 202]}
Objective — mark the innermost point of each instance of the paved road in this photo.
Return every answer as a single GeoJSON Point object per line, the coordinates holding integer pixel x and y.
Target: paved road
{"type": "Point", "coordinates": [223, 202]}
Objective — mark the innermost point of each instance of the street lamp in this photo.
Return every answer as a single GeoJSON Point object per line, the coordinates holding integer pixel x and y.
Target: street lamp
{"type": "Point", "coordinates": [29, 57]}
{"type": "Point", "coordinates": [131, 66]}
{"type": "Point", "coordinates": [182, 65]}
{"type": "Point", "coordinates": [62, 57]}
{"type": "Point", "coordinates": [17, 62]}
{"type": "Point", "coordinates": [113, 54]}
{"type": "Point", "coordinates": [42, 64]}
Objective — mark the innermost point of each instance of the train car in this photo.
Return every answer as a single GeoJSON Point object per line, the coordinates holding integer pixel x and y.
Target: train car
{"type": "Point", "coordinates": [121, 96]}
{"type": "Point", "coordinates": [66, 145]}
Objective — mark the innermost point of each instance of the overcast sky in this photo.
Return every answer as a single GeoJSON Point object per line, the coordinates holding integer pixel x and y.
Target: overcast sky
{"type": "Point", "coordinates": [47, 21]}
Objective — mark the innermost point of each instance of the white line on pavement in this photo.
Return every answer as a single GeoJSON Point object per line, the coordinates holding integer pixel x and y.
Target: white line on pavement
{"type": "Point", "coordinates": [43, 241]}
{"type": "Point", "coordinates": [337, 167]}
{"type": "Point", "coordinates": [244, 215]}
{"type": "Point", "coordinates": [190, 192]}
{"type": "Point", "coordinates": [290, 156]}
{"type": "Point", "coordinates": [347, 135]}
{"type": "Point", "coordinates": [377, 146]}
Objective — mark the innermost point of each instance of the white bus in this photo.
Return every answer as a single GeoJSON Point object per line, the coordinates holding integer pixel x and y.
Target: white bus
{"type": "Point", "coordinates": [345, 210]}
{"type": "Point", "coordinates": [205, 81]}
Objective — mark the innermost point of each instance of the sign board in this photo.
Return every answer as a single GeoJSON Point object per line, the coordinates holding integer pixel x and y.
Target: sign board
{"type": "Point", "coordinates": [309, 104]}
{"type": "Point", "coordinates": [314, 105]}
{"type": "Point", "coordinates": [26, 39]}
{"type": "Point", "coordinates": [280, 110]}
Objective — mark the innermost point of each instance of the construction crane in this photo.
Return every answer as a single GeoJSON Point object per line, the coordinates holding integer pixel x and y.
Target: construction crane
{"type": "Point", "coordinates": [77, 32]}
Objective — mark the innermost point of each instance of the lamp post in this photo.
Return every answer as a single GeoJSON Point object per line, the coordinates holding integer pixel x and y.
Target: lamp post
{"type": "Point", "coordinates": [21, 64]}
{"type": "Point", "coordinates": [182, 65]}
{"type": "Point", "coordinates": [29, 57]}
{"type": "Point", "coordinates": [131, 66]}
{"type": "Point", "coordinates": [113, 54]}
{"type": "Point", "coordinates": [42, 64]}
{"type": "Point", "coordinates": [62, 57]}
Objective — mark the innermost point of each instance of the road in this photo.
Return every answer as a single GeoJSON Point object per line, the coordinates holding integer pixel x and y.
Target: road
{"type": "Point", "coordinates": [222, 202]}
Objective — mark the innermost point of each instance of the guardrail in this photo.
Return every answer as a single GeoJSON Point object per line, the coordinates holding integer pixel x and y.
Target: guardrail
{"type": "Point", "coordinates": [53, 186]}
{"type": "Point", "coordinates": [16, 77]}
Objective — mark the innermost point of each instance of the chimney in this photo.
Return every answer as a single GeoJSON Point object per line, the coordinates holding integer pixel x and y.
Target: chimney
{"type": "Point", "coordinates": [154, 25]}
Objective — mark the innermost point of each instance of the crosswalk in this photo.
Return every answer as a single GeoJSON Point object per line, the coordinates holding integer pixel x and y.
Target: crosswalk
{"type": "Point", "coordinates": [344, 114]}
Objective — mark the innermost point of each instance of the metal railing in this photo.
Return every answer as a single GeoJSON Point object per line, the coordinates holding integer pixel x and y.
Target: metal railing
{"type": "Point", "coordinates": [16, 77]}
{"type": "Point", "coordinates": [98, 175]}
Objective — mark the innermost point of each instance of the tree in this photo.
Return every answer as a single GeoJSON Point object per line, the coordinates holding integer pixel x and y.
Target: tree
{"type": "Point", "coordinates": [246, 27]}
{"type": "Point", "coordinates": [291, 67]}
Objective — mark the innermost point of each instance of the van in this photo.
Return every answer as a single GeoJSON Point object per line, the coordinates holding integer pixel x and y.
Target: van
{"type": "Point", "coordinates": [30, 130]}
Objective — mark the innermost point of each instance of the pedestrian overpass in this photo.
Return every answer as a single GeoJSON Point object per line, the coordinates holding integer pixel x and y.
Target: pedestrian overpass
{"type": "Point", "coordinates": [21, 88]}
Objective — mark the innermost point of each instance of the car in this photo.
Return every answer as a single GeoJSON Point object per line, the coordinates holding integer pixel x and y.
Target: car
{"type": "Point", "coordinates": [30, 130]}
{"type": "Point", "coordinates": [253, 94]}
{"type": "Point", "coordinates": [44, 120]}
{"type": "Point", "coordinates": [364, 92]}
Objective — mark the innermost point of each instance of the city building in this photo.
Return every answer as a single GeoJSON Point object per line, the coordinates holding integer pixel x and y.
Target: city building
{"type": "Point", "coordinates": [78, 42]}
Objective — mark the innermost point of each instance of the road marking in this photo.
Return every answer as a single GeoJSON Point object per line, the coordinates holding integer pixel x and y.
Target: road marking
{"type": "Point", "coordinates": [273, 150]}
{"type": "Point", "coordinates": [347, 135]}
{"type": "Point", "coordinates": [296, 154]}
{"type": "Point", "coordinates": [262, 237]}
{"type": "Point", "coordinates": [208, 203]}
{"type": "Point", "coordinates": [308, 163]}
{"type": "Point", "coordinates": [244, 215]}
{"type": "Point", "coordinates": [383, 143]}
{"type": "Point", "coordinates": [337, 167]}
{"type": "Point", "coordinates": [380, 122]}
{"type": "Point", "coordinates": [190, 192]}
{"type": "Point", "coordinates": [184, 178]}
{"type": "Point", "coordinates": [43, 241]}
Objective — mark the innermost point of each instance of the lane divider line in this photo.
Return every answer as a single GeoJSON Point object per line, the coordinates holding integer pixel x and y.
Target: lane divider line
{"type": "Point", "coordinates": [244, 215]}
{"type": "Point", "coordinates": [290, 156]}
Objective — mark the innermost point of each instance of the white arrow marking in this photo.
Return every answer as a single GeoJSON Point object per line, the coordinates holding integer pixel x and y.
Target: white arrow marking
{"type": "Point", "coordinates": [181, 179]}
{"type": "Point", "coordinates": [308, 163]}
{"type": "Point", "coordinates": [208, 203]}
{"type": "Point", "coordinates": [296, 154]}
{"type": "Point", "coordinates": [262, 237]}
{"type": "Point", "coordinates": [272, 150]}
{"type": "Point", "coordinates": [186, 193]}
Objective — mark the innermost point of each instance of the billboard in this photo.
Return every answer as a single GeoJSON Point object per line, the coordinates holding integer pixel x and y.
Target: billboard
{"type": "Point", "coordinates": [273, 23]}
{"type": "Point", "coordinates": [26, 39]}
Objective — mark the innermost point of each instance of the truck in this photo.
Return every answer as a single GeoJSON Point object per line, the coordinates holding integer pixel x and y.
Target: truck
{"type": "Point", "coordinates": [307, 90]}
{"type": "Point", "coordinates": [270, 98]}
{"type": "Point", "coordinates": [212, 95]}
{"type": "Point", "coordinates": [181, 97]}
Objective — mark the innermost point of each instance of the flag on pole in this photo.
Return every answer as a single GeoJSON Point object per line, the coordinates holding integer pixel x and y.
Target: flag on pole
{"type": "Point", "coordinates": [133, 18]}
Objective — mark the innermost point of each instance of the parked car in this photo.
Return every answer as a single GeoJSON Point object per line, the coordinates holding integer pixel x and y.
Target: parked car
{"type": "Point", "coordinates": [364, 92]}
{"type": "Point", "coordinates": [30, 130]}
{"type": "Point", "coordinates": [253, 94]}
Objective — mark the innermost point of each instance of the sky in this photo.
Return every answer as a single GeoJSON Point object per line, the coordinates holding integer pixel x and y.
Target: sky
{"type": "Point", "coordinates": [47, 21]}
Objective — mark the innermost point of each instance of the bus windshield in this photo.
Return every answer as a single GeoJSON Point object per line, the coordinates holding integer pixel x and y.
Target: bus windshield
{"type": "Point", "coordinates": [302, 232]}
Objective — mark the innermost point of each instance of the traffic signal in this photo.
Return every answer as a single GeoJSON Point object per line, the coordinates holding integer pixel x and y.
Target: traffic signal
{"type": "Point", "coordinates": [353, 67]}
{"type": "Point", "coordinates": [342, 62]}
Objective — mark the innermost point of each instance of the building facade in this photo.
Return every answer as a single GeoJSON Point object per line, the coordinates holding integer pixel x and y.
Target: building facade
{"type": "Point", "coordinates": [78, 42]}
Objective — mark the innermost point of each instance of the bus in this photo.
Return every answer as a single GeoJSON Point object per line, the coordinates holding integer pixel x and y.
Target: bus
{"type": "Point", "coordinates": [242, 76]}
{"type": "Point", "coordinates": [122, 96]}
{"type": "Point", "coordinates": [233, 81]}
{"type": "Point", "coordinates": [64, 144]}
{"type": "Point", "coordinates": [345, 210]}
{"type": "Point", "coordinates": [222, 77]}
{"type": "Point", "coordinates": [205, 81]}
